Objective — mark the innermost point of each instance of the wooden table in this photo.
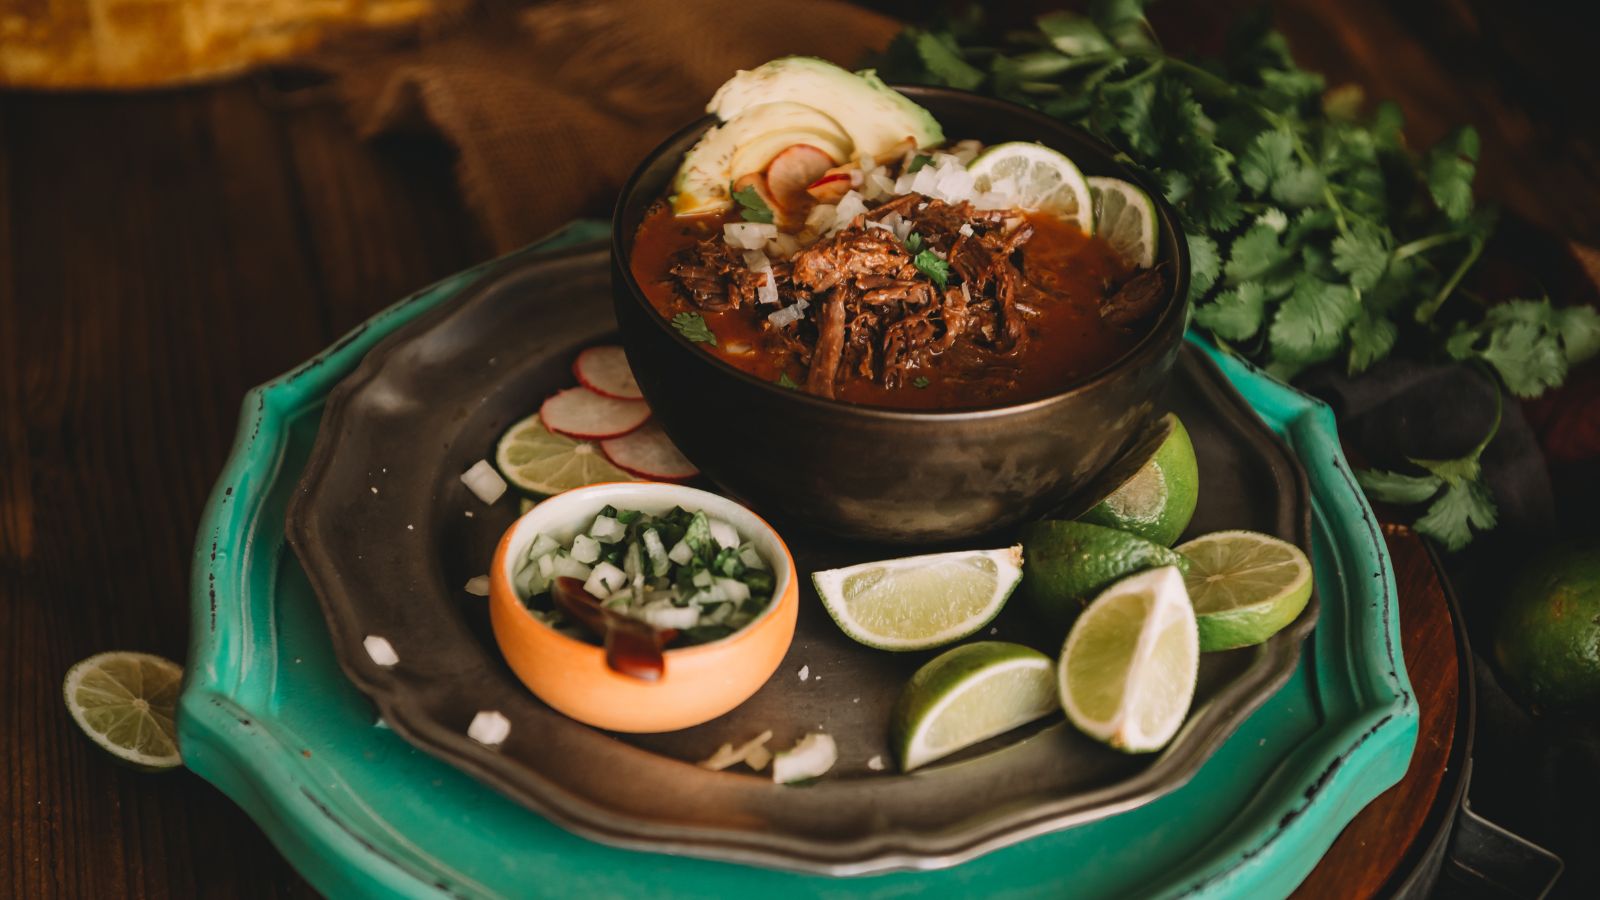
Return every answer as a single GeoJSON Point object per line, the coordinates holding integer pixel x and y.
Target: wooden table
{"type": "Point", "coordinates": [162, 252]}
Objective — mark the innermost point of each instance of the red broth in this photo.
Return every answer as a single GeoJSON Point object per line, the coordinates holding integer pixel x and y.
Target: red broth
{"type": "Point", "coordinates": [1067, 340]}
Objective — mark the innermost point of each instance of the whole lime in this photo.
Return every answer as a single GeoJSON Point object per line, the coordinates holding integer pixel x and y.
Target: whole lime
{"type": "Point", "coordinates": [1547, 640]}
{"type": "Point", "coordinates": [1156, 502]}
{"type": "Point", "coordinates": [1067, 564]}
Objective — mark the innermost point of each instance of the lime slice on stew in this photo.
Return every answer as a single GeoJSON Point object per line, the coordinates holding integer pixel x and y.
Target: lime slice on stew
{"type": "Point", "coordinates": [1125, 217]}
{"type": "Point", "coordinates": [1038, 178]}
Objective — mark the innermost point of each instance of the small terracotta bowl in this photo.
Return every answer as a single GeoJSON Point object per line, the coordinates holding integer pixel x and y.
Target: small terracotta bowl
{"type": "Point", "coordinates": [700, 682]}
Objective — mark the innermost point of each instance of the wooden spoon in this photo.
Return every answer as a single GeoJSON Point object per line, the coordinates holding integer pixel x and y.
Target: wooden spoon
{"type": "Point", "coordinates": [633, 648]}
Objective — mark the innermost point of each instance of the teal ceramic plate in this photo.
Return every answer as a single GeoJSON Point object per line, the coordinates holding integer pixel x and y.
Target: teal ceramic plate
{"type": "Point", "coordinates": [267, 715]}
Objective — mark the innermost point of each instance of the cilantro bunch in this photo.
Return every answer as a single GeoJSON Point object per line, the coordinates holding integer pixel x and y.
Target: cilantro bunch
{"type": "Point", "coordinates": [1316, 236]}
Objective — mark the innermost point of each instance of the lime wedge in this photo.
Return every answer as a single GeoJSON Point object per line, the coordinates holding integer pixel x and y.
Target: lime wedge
{"type": "Point", "coordinates": [127, 703]}
{"type": "Point", "coordinates": [1125, 217]}
{"type": "Point", "coordinates": [920, 602]}
{"type": "Point", "coordinates": [1129, 666]}
{"type": "Point", "coordinates": [538, 461]}
{"type": "Point", "coordinates": [1070, 562]}
{"type": "Point", "coordinates": [1156, 502]}
{"type": "Point", "coordinates": [1245, 586]}
{"type": "Point", "coordinates": [967, 695]}
{"type": "Point", "coordinates": [1038, 178]}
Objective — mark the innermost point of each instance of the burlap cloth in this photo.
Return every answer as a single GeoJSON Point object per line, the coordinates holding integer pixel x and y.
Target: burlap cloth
{"type": "Point", "coordinates": [551, 107]}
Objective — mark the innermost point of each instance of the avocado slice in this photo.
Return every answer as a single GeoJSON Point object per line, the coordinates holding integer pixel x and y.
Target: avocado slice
{"type": "Point", "coordinates": [745, 143]}
{"type": "Point", "coordinates": [874, 116]}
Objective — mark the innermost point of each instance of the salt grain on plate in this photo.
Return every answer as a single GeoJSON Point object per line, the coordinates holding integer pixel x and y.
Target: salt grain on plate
{"type": "Point", "coordinates": [875, 764]}
{"type": "Point", "coordinates": [477, 586]}
{"type": "Point", "coordinates": [374, 490]}
{"type": "Point", "coordinates": [381, 651]}
{"type": "Point", "coordinates": [489, 728]}
{"type": "Point", "coordinates": [805, 672]}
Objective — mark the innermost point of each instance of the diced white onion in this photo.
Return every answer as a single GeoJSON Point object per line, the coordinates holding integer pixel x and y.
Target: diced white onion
{"type": "Point", "coordinates": [966, 151]}
{"type": "Point", "coordinates": [489, 728]}
{"type": "Point", "coordinates": [664, 615]}
{"type": "Point", "coordinates": [813, 756]}
{"type": "Point", "coordinates": [567, 567]}
{"type": "Point", "coordinates": [767, 292]}
{"type": "Point", "coordinates": [681, 553]}
{"type": "Point", "coordinates": [788, 315]}
{"type": "Point", "coordinates": [702, 579]}
{"type": "Point", "coordinates": [756, 261]}
{"type": "Point", "coordinates": [477, 586]}
{"type": "Point", "coordinates": [484, 482]}
{"type": "Point", "coordinates": [752, 559]}
{"type": "Point", "coordinates": [381, 651]}
{"type": "Point", "coordinates": [610, 577]}
{"type": "Point", "coordinates": [850, 206]}
{"type": "Point", "coordinates": [585, 549]}
{"type": "Point", "coordinates": [965, 229]}
{"type": "Point", "coordinates": [543, 545]}
{"type": "Point", "coordinates": [748, 235]}
{"type": "Point", "coordinates": [783, 246]}
{"type": "Point", "coordinates": [547, 565]}
{"type": "Point", "coordinates": [607, 530]}
{"type": "Point", "coordinates": [724, 534]}
{"type": "Point", "coordinates": [749, 753]}
{"type": "Point", "coordinates": [733, 590]}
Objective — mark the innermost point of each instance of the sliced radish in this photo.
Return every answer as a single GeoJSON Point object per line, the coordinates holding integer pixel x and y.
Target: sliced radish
{"type": "Point", "coordinates": [605, 370]}
{"type": "Point", "coordinates": [583, 414]}
{"type": "Point", "coordinates": [649, 453]}
{"type": "Point", "coordinates": [791, 171]}
{"type": "Point", "coordinates": [829, 188]}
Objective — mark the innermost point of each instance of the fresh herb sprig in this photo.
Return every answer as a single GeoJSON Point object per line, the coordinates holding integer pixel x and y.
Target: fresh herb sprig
{"type": "Point", "coordinates": [752, 206]}
{"type": "Point", "coordinates": [1315, 235]}
{"type": "Point", "coordinates": [693, 327]}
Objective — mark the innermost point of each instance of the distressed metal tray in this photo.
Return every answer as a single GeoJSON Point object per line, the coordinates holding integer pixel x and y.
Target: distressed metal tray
{"type": "Point", "coordinates": [1284, 784]}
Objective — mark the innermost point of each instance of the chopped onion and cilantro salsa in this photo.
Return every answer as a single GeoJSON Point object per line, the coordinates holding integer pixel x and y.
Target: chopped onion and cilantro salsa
{"type": "Point", "coordinates": [681, 570]}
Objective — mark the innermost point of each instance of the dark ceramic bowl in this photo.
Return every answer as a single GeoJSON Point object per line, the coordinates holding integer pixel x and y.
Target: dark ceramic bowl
{"type": "Point", "coordinates": [892, 475]}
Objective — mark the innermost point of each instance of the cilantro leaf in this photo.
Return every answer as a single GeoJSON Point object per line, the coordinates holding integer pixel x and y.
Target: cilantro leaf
{"type": "Point", "coordinates": [1269, 156]}
{"type": "Point", "coordinates": [1204, 264]}
{"type": "Point", "coordinates": [1072, 34]}
{"type": "Point", "coordinates": [1254, 254]}
{"type": "Point", "coordinates": [913, 242]}
{"type": "Point", "coordinates": [920, 382]}
{"type": "Point", "coordinates": [1527, 356]}
{"type": "Point", "coordinates": [693, 327]}
{"type": "Point", "coordinates": [1235, 314]}
{"type": "Point", "coordinates": [943, 59]}
{"type": "Point", "coordinates": [1462, 507]}
{"type": "Point", "coordinates": [1309, 326]}
{"type": "Point", "coordinates": [1396, 487]}
{"type": "Point", "coordinates": [937, 270]}
{"type": "Point", "coordinates": [917, 162]}
{"type": "Point", "coordinates": [1450, 167]}
{"type": "Point", "coordinates": [1580, 332]}
{"type": "Point", "coordinates": [784, 381]}
{"type": "Point", "coordinates": [1371, 339]}
{"type": "Point", "coordinates": [1362, 255]}
{"type": "Point", "coordinates": [752, 207]}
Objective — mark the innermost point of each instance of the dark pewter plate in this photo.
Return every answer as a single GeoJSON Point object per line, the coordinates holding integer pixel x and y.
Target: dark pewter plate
{"type": "Point", "coordinates": [387, 535]}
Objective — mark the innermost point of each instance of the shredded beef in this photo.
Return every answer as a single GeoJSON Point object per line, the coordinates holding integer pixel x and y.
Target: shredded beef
{"type": "Point", "coordinates": [873, 313]}
{"type": "Point", "coordinates": [1136, 298]}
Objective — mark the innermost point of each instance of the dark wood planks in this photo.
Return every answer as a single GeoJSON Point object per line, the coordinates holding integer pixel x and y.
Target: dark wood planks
{"type": "Point", "coordinates": [173, 250]}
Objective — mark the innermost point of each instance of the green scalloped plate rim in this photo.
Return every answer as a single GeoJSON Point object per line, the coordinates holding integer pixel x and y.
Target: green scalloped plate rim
{"type": "Point", "coordinates": [266, 716]}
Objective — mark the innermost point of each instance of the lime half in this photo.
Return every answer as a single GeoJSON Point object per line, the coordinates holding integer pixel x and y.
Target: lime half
{"type": "Point", "coordinates": [127, 703]}
{"type": "Point", "coordinates": [1038, 178]}
{"type": "Point", "coordinates": [1070, 562]}
{"type": "Point", "coordinates": [1129, 666]}
{"type": "Point", "coordinates": [538, 461]}
{"type": "Point", "coordinates": [1245, 586]}
{"type": "Point", "coordinates": [970, 694]}
{"type": "Point", "coordinates": [1158, 501]}
{"type": "Point", "coordinates": [1126, 218]}
{"type": "Point", "coordinates": [920, 602]}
